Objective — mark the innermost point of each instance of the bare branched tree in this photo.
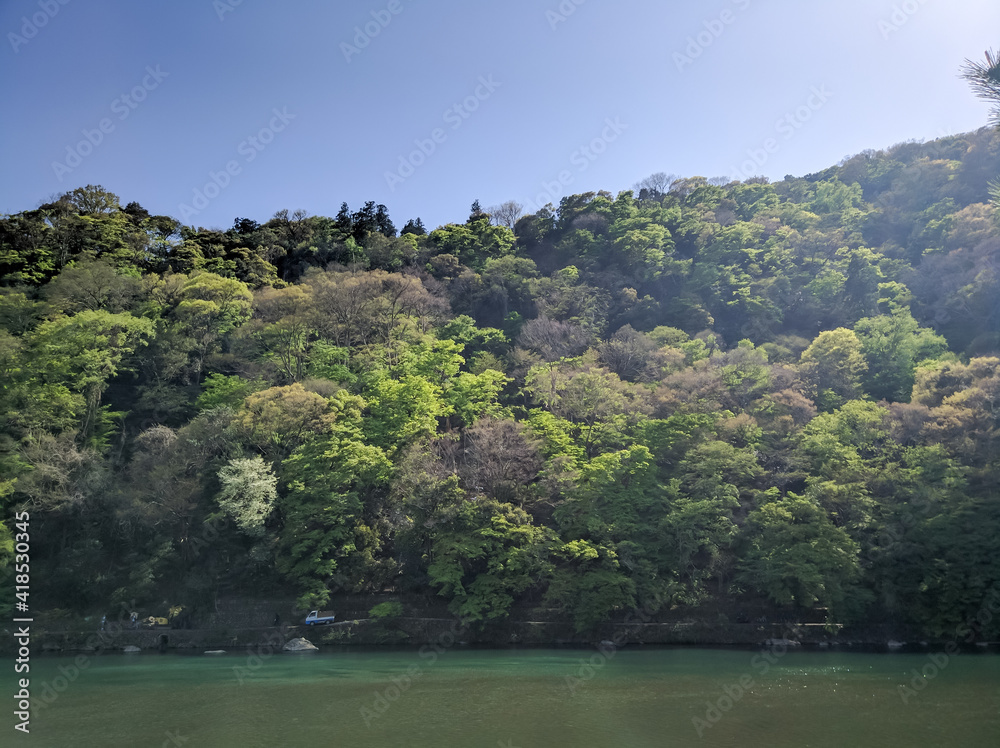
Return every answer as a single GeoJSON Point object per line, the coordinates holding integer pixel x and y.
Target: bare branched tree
{"type": "Point", "coordinates": [506, 214]}
{"type": "Point", "coordinates": [501, 460]}
{"type": "Point", "coordinates": [654, 186]}
{"type": "Point", "coordinates": [553, 339]}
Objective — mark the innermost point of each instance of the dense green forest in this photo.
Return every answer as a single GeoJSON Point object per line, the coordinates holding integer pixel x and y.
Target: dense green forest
{"type": "Point", "coordinates": [749, 392]}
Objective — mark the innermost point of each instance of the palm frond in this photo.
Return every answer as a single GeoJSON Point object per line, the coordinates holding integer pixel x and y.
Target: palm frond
{"type": "Point", "coordinates": [985, 80]}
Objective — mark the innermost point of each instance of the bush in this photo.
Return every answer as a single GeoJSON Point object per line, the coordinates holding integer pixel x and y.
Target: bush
{"type": "Point", "coordinates": [385, 612]}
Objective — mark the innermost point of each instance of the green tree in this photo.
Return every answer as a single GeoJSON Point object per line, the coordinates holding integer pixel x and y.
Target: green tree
{"type": "Point", "coordinates": [696, 536]}
{"type": "Point", "coordinates": [282, 326]}
{"type": "Point", "coordinates": [220, 390]}
{"type": "Point", "coordinates": [832, 366]}
{"type": "Point", "coordinates": [474, 242]}
{"type": "Point", "coordinates": [485, 558]}
{"type": "Point", "coordinates": [588, 583]}
{"type": "Point", "coordinates": [92, 285]}
{"type": "Point", "coordinates": [403, 410]}
{"type": "Point", "coordinates": [323, 526]}
{"type": "Point", "coordinates": [84, 352]}
{"type": "Point", "coordinates": [796, 556]}
{"type": "Point", "coordinates": [93, 199]}
{"type": "Point", "coordinates": [946, 568]}
{"type": "Point", "coordinates": [209, 307]}
{"type": "Point", "coordinates": [893, 345]}
{"type": "Point", "coordinates": [588, 395]}
{"type": "Point", "coordinates": [277, 420]}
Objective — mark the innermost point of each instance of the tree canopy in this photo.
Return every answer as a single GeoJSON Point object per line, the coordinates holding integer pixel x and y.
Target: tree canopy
{"type": "Point", "coordinates": [745, 394]}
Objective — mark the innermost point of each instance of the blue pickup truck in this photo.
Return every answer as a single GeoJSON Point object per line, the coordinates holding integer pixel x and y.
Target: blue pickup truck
{"type": "Point", "coordinates": [317, 617]}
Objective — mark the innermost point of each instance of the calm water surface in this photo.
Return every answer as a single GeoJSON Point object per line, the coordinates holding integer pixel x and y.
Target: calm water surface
{"type": "Point", "coordinates": [517, 699]}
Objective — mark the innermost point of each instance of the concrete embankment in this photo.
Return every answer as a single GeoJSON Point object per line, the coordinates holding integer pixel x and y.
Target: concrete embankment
{"type": "Point", "coordinates": [237, 624]}
{"type": "Point", "coordinates": [421, 631]}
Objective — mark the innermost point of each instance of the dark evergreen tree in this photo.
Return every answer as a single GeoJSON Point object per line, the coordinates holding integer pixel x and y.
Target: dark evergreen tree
{"type": "Point", "coordinates": [136, 213]}
{"type": "Point", "coordinates": [344, 220]}
{"type": "Point", "coordinates": [244, 226]}
{"type": "Point", "coordinates": [365, 221]}
{"type": "Point", "coordinates": [414, 227]}
{"type": "Point", "coordinates": [383, 224]}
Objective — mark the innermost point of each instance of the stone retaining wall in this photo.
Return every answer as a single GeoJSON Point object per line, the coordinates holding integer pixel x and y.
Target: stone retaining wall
{"type": "Point", "coordinates": [234, 624]}
{"type": "Point", "coordinates": [418, 632]}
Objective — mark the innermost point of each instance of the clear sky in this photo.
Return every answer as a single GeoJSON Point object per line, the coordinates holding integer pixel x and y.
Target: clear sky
{"type": "Point", "coordinates": [426, 106]}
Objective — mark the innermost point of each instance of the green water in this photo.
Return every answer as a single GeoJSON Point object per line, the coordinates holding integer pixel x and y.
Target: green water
{"type": "Point", "coordinates": [519, 699]}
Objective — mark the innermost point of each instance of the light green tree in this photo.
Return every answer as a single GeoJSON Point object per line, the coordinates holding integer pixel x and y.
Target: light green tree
{"type": "Point", "coordinates": [832, 366]}
{"type": "Point", "coordinates": [328, 480]}
{"type": "Point", "coordinates": [209, 307]}
{"type": "Point", "coordinates": [84, 352]}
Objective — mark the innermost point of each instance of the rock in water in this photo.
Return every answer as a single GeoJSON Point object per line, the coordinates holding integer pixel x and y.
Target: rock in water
{"type": "Point", "coordinates": [300, 645]}
{"type": "Point", "coordinates": [215, 651]}
{"type": "Point", "coordinates": [781, 643]}
{"type": "Point", "coordinates": [131, 650]}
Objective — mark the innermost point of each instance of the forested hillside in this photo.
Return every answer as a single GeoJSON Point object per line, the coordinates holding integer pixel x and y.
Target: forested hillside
{"type": "Point", "coordinates": [785, 392]}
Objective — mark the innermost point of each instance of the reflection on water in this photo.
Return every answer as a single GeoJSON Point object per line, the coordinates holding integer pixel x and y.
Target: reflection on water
{"type": "Point", "coordinates": [521, 699]}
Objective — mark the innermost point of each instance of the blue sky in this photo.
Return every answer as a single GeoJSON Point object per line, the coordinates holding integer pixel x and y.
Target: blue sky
{"type": "Point", "coordinates": [211, 109]}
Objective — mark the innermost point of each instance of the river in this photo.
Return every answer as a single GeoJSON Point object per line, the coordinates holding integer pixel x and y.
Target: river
{"type": "Point", "coordinates": [514, 698]}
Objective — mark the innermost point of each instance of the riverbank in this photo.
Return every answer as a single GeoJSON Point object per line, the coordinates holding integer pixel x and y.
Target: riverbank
{"type": "Point", "coordinates": [413, 632]}
{"type": "Point", "coordinates": [237, 624]}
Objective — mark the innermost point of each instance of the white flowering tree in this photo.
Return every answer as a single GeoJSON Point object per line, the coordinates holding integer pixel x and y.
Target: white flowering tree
{"type": "Point", "coordinates": [249, 489]}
